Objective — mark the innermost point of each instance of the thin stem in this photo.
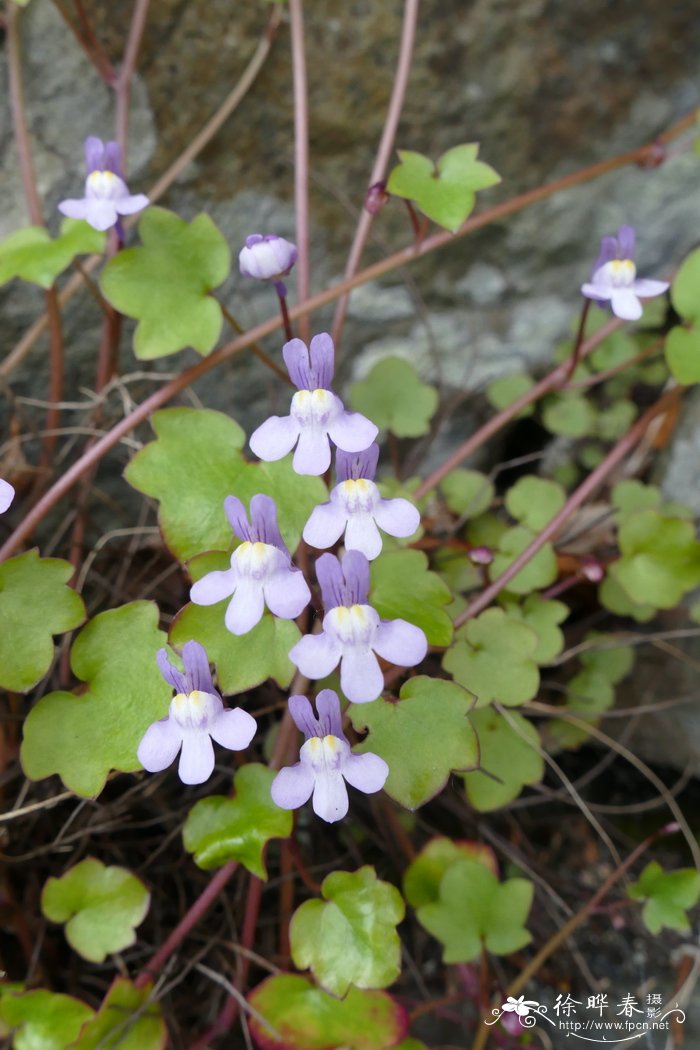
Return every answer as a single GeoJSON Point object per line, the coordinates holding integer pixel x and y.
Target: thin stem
{"type": "Point", "coordinates": [403, 69]}
{"type": "Point", "coordinates": [281, 290]}
{"type": "Point", "coordinates": [575, 355]}
{"type": "Point", "coordinates": [95, 50]}
{"type": "Point", "coordinates": [56, 355]}
{"type": "Point", "coordinates": [577, 498]}
{"type": "Point", "coordinates": [255, 347]}
{"type": "Point", "coordinates": [621, 366]}
{"type": "Point", "coordinates": [301, 156]}
{"type": "Point", "coordinates": [123, 88]}
{"type": "Point", "coordinates": [19, 122]}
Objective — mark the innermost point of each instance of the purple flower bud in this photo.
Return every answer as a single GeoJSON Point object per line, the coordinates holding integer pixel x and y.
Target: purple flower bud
{"type": "Point", "coordinates": [106, 193]}
{"type": "Point", "coordinates": [615, 280]}
{"type": "Point", "coordinates": [197, 716]}
{"type": "Point", "coordinates": [325, 762]}
{"type": "Point", "coordinates": [353, 632]}
{"type": "Point", "coordinates": [267, 258]}
{"type": "Point", "coordinates": [592, 570]}
{"type": "Point", "coordinates": [376, 197]}
{"type": "Point", "coordinates": [7, 494]}
{"type": "Point", "coordinates": [481, 555]}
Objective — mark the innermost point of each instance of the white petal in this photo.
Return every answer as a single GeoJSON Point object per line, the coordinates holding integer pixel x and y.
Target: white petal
{"type": "Point", "coordinates": [361, 678]}
{"type": "Point", "coordinates": [625, 304]}
{"type": "Point", "coordinates": [400, 643]}
{"type": "Point", "coordinates": [287, 593]}
{"type": "Point", "coordinates": [101, 214]}
{"type": "Point", "coordinates": [366, 772]}
{"type": "Point", "coordinates": [325, 526]}
{"type": "Point", "coordinates": [292, 786]}
{"type": "Point", "coordinates": [646, 289]}
{"type": "Point", "coordinates": [159, 745]}
{"type": "Point", "coordinates": [213, 587]}
{"type": "Point", "coordinates": [132, 203]}
{"type": "Point", "coordinates": [330, 796]}
{"type": "Point", "coordinates": [233, 729]}
{"type": "Point", "coordinates": [363, 535]}
{"type": "Point", "coordinates": [246, 607]}
{"type": "Point", "coordinates": [7, 494]}
{"type": "Point", "coordinates": [398, 517]}
{"type": "Point", "coordinates": [197, 758]}
{"type": "Point", "coordinates": [313, 453]}
{"type": "Point", "coordinates": [316, 655]}
{"type": "Point", "coordinates": [274, 438]}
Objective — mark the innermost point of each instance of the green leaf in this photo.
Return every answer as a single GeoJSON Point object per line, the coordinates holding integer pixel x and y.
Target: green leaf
{"type": "Point", "coordinates": [504, 391]}
{"type": "Point", "coordinates": [493, 657]}
{"type": "Point", "coordinates": [544, 617]}
{"type": "Point", "coordinates": [683, 354]}
{"type": "Point", "coordinates": [667, 896]}
{"type": "Point", "coordinates": [350, 939]}
{"type": "Point", "coordinates": [421, 882]}
{"type": "Point", "coordinates": [660, 559]}
{"type": "Point", "coordinates": [219, 829]}
{"type": "Point", "coordinates": [534, 501]}
{"type": "Point", "coordinates": [475, 909]}
{"type": "Point", "coordinates": [166, 284]}
{"type": "Point", "coordinates": [128, 1019]}
{"type": "Point", "coordinates": [35, 603]}
{"type": "Point", "coordinates": [510, 750]}
{"type": "Point", "coordinates": [540, 571]}
{"type": "Point", "coordinates": [685, 290]}
{"type": "Point", "coordinates": [43, 1020]}
{"type": "Point", "coordinates": [422, 737]}
{"type": "Point", "coordinates": [467, 492]}
{"type": "Point", "coordinates": [445, 191]}
{"type": "Point", "coordinates": [614, 597]}
{"type": "Point", "coordinates": [242, 661]}
{"type": "Point", "coordinates": [82, 737]}
{"type": "Point", "coordinates": [33, 255]}
{"type": "Point", "coordinates": [394, 397]}
{"type": "Point", "coordinates": [614, 422]}
{"type": "Point", "coordinates": [569, 414]}
{"type": "Point", "coordinates": [403, 587]}
{"type": "Point", "coordinates": [613, 663]}
{"type": "Point", "coordinates": [631, 496]}
{"type": "Point", "coordinates": [195, 463]}
{"type": "Point", "coordinates": [100, 906]}
{"type": "Point", "coordinates": [302, 1017]}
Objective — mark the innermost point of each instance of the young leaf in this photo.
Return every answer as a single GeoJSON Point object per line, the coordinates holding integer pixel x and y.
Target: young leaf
{"type": "Point", "coordinates": [128, 1019]}
{"type": "Point", "coordinates": [660, 559]}
{"type": "Point", "coordinates": [82, 737]}
{"type": "Point", "coordinates": [100, 906]}
{"type": "Point", "coordinates": [422, 737]}
{"type": "Point", "coordinates": [614, 597]}
{"type": "Point", "coordinates": [219, 829]}
{"type": "Point", "coordinates": [394, 397]}
{"type": "Point", "coordinates": [475, 910]}
{"type": "Point", "coordinates": [534, 501]}
{"type": "Point", "coordinates": [421, 882]}
{"type": "Point", "coordinates": [42, 1020]}
{"type": "Point", "coordinates": [685, 291]}
{"type": "Point", "coordinates": [544, 617]}
{"type": "Point", "coordinates": [302, 1017]}
{"type": "Point", "coordinates": [35, 603]}
{"type": "Point", "coordinates": [467, 492]}
{"type": "Point", "coordinates": [166, 284]}
{"type": "Point", "coordinates": [540, 571]}
{"type": "Point", "coordinates": [683, 354]}
{"type": "Point", "coordinates": [350, 939]}
{"type": "Point", "coordinates": [403, 587]}
{"type": "Point", "coordinates": [667, 896]}
{"type": "Point", "coordinates": [445, 191]}
{"type": "Point", "coordinates": [33, 255]}
{"type": "Point", "coordinates": [570, 415]}
{"type": "Point", "coordinates": [504, 391]}
{"type": "Point", "coordinates": [493, 657]}
{"type": "Point", "coordinates": [510, 750]}
{"type": "Point", "coordinates": [631, 496]}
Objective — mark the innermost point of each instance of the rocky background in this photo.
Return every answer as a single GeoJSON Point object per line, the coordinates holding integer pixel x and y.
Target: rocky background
{"type": "Point", "coordinates": [546, 86]}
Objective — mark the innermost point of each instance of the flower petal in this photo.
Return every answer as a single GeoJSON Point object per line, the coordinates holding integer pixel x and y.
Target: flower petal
{"type": "Point", "coordinates": [172, 675]}
{"type": "Point", "coordinates": [100, 213]}
{"type": "Point", "coordinates": [292, 786]}
{"type": "Point", "coordinates": [330, 800]}
{"type": "Point", "coordinates": [361, 678]}
{"type": "Point", "coordinates": [356, 573]}
{"type": "Point", "coordinates": [7, 494]}
{"type": "Point", "coordinates": [353, 465]}
{"type": "Point", "coordinates": [233, 728]}
{"type": "Point", "coordinates": [363, 535]}
{"type": "Point", "coordinates": [599, 292]}
{"type": "Point", "coordinates": [322, 357]}
{"type": "Point", "coordinates": [647, 289]}
{"type": "Point", "coordinates": [74, 208]}
{"type": "Point", "coordinates": [94, 153]}
{"type": "Point", "coordinates": [303, 715]}
{"type": "Point", "coordinates": [313, 453]}
{"type": "Point", "coordinates": [316, 655]}
{"type": "Point", "coordinates": [274, 438]}
{"type": "Point", "coordinates": [352, 432]}
{"type": "Point", "coordinates": [331, 580]}
{"type": "Point", "coordinates": [246, 607]}
{"type": "Point", "coordinates": [330, 720]}
{"type": "Point", "coordinates": [366, 772]}
{"type": "Point", "coordinates": [197, 758]}
{"type": "Point", "coordinates": [159, 745]}
{"type": "Point", "coordinates": [625, 304]}
{"type": "Point", "coordinates": [325, 526]}
{"type": "Point", "coordinates": [400, 643]}
{"type": "Point", "coordinates": [287, 593]}
{"type": "Point", "coordinates": [132, 203]}
{"type": "Point", "coordinates": [196, 661]}
{"type": "Point", "coordinates": [214, 587]}
{"type": "Point", "coordinates": [398, 517]}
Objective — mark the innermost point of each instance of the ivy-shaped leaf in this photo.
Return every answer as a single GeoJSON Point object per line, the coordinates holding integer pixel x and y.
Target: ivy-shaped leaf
{"type": "Point", "coordinates": [510, 751]}
{"type": "Point", "coordinates": [632, 496]}
{"type": "Point", "coordinates": [33, 255]}
{"type": "Point", "coordinates": [394, 397]}
{"type": "Point", "coordinates": [101, 907]}
{"type": "Point", "coordinates": [475, 910]}
{"type": "Point", "coordinates": [660, 559]}
{"type": "Point", "coordinates": [543, 616]}
{"type": "Point", "coordinates": [467, 492]}
{"type": "Point", "coordinates": [540, 571]}
{"type": "Point", "coordinates": [422, 878]}
{"type": "Point", "coordinates": [444, 191]}
{"type": "Point", "coordinates": [507, 389]}
{"type": "Point", "coordinates": [403, 587]}
{"type": "Point", "coordinates": [494, 658]}
{"type": "Point", "coordinates": [667, 896]}
{"type": "Point", "coordinates": [534, 501]}
{"type": "Point", "coordinates": [683, 343]}
{"type": "Point", "coordinates": [685, 291]}
{"type": "Point", "coordinates": [614, 597]}
{"type": "Point", "coordinates": [128, 1019]}
{"type": "Point", "coordinates": [292, 1014]}
{"type": "Point", "coordinates": [350, 939]}
{"type": "Point", "coordinates": [35, 603]}
{"type": "Point", "coordinates": [42, 1020]}
{"type": "Point", "coordinates": [219, 829]}
{"type": "Point", "coordinates": [195, 463]}
{"type": "Point", "coordinates": [242, 661]}
{"type": "Point", "coordinates": [82, 737]}
{"type": "Point", "coordinates": [422, 737]}
{"type": "Point", "coordinates": [166, 284]}
{"type": "Point", "coordinates": [570, 415]}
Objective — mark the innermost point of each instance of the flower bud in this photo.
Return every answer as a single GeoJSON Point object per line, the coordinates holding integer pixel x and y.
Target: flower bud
{"type": "Point", "coordinates": [376, 197]}
{"type": "Point", "coordinates": [267, 258]}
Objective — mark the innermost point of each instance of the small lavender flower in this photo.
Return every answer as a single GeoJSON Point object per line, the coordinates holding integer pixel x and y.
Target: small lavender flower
{"type": "Point", "coordinates": [316, 414]}
{"type": "Point", "coordinates": [7, 494]}
{"type": "Point", "coordinates": [197, 716]}
{"type": "Point", "coordinates": [261, 570]}
{"type": "Point", "coordinates": [267, 258]}
{"type": "Point", "coordinates": [106, 193]}
{"type": "Point", "coordinates": [356, 508]}
{"type": "Point", "coordinates": [615, 280]}
{"type": "Point", "coordinates": [325, 762]}
{"type": "Point", "coordinates": [353, 632]}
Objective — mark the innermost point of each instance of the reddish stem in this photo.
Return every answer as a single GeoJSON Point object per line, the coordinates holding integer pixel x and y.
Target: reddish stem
{"type": "Point", "coordinates": [123, 87]}
{"type": "Point", "coordinates": [301, 157]}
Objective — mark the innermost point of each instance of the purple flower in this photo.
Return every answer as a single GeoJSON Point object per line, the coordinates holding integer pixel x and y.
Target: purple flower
{"type": "Point", "coordinates": [266, 258]}
{"type": "Point", "coordinates": [261, 570]}
{"type": "Point", "coordinates": [356, 508]}
{"type": "Point", "coordinates": [197, 716]}
{"type": "Point", "coordinates": [7, 494]}
{"type": "Point", "coordinates": [325, 762]}
{"type": "Point", "coordinates": [353, 632]}
{"type": "Point", "coordinates": [316, 414]}
{"type": "Point", "coordinates": [615, 278]}
{"type": "Point", "coordinates": [106, 193]}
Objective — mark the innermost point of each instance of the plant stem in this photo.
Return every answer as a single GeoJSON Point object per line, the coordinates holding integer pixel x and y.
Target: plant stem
{"type": "Point", "coordinates": [128, 66]}
{"type": "Point", "coordinates": [255, 347]}
{"type": "Point", "coordinates": [575, 355]}
{"type": "Point", "coordinates": [281, 290]}
{"type": "Point", "coordinates": [301, 157]}
{"type": "Point", "coordinates": [19, 123]}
